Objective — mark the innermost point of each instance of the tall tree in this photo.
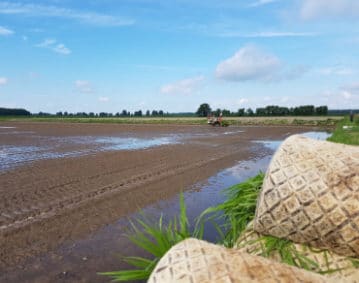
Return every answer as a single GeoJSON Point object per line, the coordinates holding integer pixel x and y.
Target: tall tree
{"type": "Point", "coordinates": [241, 112]}
{"type": "Point", "coordinates": [321, 110]}
{"type": "Point", "coordinates": [249, 112]}
{"type": "Point", "coordinates": [204, 110]}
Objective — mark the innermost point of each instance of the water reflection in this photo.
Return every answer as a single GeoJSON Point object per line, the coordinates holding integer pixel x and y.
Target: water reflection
{"type": "Point", "coordinates": [118, 143]}
{"type": "Point", "coordinates": [53, 147]}
{"type": "Point", "coordinates": [274, 144]}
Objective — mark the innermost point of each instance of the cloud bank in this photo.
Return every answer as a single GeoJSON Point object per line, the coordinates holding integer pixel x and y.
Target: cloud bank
{"type": "Point", "coordinates": [36, 10]}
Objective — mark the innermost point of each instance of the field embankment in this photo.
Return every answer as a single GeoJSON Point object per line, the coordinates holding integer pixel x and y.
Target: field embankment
{"type": "Point", "coordinates": [324, 121]}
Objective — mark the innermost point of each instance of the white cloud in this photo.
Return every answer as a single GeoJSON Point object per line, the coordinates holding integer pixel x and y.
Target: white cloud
{"type": "Point", "coordinates": [312, 9]}
{"type": "Point", "coordinates": [278, 34]}
{"type": "Point", "coordinates": [103, 99]}
{"type": "Point", "coordinates": [47, 42]}
{"type": "Point", "coordinates": [3, 81]}
{"type": "Point", "coordinates": [261, 3]}
{"type": "Point", "coordinates": [346, 96]}
{"type": "Point", "coordinates": [35, 10]}
{"type": "Point", "coordinates": [230, 29]}
{"type": "Point", "coordinates": [62, 49]}
{"type": "Point", "coordinates": [336, 70]}
{"type": "Point", "coordinates": [52, 44]}
{"type": "Point", "coordinates": [5, 31]}
{"type": "Point", "coordinates": [186, 86]}
{"type": "Point", "coordinates": [248, 63]}
{"type": "Point", "coordinates": [84, 86]}
{"type": "Point", "coordinates": [242, 101]}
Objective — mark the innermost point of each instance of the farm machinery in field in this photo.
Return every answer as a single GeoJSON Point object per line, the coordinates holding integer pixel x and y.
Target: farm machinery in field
{"type": "Point", "coordinates": [217, 121]}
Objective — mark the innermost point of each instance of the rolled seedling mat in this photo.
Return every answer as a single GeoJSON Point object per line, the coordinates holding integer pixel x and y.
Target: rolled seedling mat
{"type": "Point", "coordinates": [194, 261]}
{"type": "Point", "coordinates": [310, 195]}
{"type": "Point", "coordinates": [325, 262]}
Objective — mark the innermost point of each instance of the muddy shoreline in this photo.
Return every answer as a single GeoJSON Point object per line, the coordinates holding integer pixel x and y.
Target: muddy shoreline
{"type": "Point", "coordinates": [49, 202]}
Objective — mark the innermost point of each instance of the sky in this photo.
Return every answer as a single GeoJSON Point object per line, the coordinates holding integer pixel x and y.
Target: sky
{"type": "Point", "coordinates": [173, 55]}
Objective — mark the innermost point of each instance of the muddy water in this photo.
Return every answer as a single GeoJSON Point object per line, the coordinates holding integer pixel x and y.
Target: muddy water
{"type": "Point", "coordinates": [44, 147]}
{"type": "Point", "coordinates": [100, 251]}
{"type": "Point", "coordinates": [37, 147]}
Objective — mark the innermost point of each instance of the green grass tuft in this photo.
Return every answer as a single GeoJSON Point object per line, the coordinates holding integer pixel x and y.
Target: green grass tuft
{"type": "Point", "coordinates": [287, 252]}
{"type": "Point", "coordinates": [156, 239]}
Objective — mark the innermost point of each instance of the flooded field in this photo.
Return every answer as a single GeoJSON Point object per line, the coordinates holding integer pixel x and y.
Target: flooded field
{"type": "Point", "coordinates": [37, 147]}
{"type": "Point", "coordinates": [65, 216]}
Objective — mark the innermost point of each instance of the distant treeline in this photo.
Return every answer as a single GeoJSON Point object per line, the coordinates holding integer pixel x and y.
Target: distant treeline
{"type": "Point", "coordinates": [271, 110]}
{"type": "Point", "coordinates": [123, 113]}
{"type": "Point", "coordinates": [342, 112]}
{"type": "Point", "coordinates": [204, 110]}
{"type": "Point", "coordinates": [14, 112]}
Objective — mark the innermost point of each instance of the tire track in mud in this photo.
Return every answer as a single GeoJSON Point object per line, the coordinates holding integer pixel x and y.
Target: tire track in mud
{"type": "Point", "coordinates": [34, 226]}
{"type": "Point", "coordinates": [26, 209]}
{"type": "Point", "coordinates": [26, 215]}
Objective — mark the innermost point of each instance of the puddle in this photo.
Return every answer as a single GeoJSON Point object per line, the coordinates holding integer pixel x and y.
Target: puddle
{"type": "Point", "coordinates": [12, 156]}
{"type": "Point", "coordinates": [37, 147]}
{"type": "Point", "coordinates": [274, 144]}
{"type": "Point", "coordinates": [117, 143]}
{"type": "Point", "coordinates": [232, 132]}
{"type": "Point", "coordinates": [317, 135]}
{"type": "Point", "coordinates": [210, 193]}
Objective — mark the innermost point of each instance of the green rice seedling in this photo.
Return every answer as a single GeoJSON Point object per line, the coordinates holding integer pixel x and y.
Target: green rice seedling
{"type": "Point", "coordinates": [287, 252]}
{"type": "Point", "coordinates": [156, 239]}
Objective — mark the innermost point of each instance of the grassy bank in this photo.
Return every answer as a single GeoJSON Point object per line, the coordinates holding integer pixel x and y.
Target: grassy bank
{"type": "Point", "coordinates": [346, 132]}
{"type": "Point", "coordinates": [324, 121]}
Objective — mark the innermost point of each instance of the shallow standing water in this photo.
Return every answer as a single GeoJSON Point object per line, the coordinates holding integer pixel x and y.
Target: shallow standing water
{"type": "Point", "coordinates": [43, 147]}
{"type": "Point", "coordinates": [35, 146]}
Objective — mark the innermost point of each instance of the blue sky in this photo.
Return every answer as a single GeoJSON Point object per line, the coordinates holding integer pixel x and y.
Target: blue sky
{"type": "Point", "coordinates": [111, 55]}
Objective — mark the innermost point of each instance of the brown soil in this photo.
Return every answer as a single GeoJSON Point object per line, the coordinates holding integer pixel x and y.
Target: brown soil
{"type": "Point", "coordinates": [47, 202]}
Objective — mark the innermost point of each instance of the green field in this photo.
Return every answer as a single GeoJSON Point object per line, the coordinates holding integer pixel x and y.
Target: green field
{"type": "Point", "coordinates": [287, 120]}
{"type": "Point", "coordinates": [346, 132]}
